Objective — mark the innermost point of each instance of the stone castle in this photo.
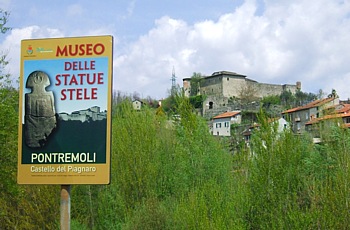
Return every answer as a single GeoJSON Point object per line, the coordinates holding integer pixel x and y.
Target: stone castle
{"type": "Point", "coordinates": [221, 88]}
{"type": "Point", "coordinates": [91, 114]}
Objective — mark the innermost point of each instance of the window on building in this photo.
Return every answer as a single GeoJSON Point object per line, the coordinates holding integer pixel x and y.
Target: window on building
{"type": "Point", "coordinates": [228, 79]}
{"type": "Point", "coordinates": [211, 105]}
{"type": "Point", "coordinates": [347, 120]}
{"type": "Point", "coordinates": [218, 125]}
{"type": "Point", "coordinates": [227, 124]}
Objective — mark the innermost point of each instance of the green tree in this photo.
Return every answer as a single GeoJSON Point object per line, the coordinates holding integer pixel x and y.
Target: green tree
{"type": "Point", "coordinates": [302, 98]}
{"type": "Point", "coordinates": [195, 82]}
{"type": "Point", "coordinates": [197, 101]}
{"type": "Point", "coordinates": [320, 94]}
{"type": "Point", "coordinates": [22, 206]}
{"type": "Point", "coordinates": [287, 98]}
{"type": "Point", "coordinates": [8, 137]}
{"type": "Point", "coordinates": [267, 101]}
{"type": "Point", "coordinates": [3, 21]}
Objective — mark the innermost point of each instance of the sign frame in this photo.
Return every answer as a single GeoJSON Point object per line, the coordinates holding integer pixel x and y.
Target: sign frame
{"type": "Point", "coordinates": [65, 105]}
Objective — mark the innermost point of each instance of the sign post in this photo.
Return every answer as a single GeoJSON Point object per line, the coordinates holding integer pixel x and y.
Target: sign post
{"type": "Point", "coordinates": [65, 111]}
{"type": "Point", "coordinates": [65, 207]}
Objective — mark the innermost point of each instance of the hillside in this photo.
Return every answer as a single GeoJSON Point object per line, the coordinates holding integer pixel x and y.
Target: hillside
{"type": "Point", "coordinates": [181, 177]}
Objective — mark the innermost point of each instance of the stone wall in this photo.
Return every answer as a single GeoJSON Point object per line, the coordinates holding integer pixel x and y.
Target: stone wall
{"type": "Point", "coordinates": [223, 86]}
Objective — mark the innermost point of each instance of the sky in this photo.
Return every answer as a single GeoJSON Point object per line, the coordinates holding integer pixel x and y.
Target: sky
{"type": "Point", "coordinates": [270, 41]}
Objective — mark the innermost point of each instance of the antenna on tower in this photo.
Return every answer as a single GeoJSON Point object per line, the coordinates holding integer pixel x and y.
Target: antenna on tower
{"type": "Point", "coordinates": [173, 82]}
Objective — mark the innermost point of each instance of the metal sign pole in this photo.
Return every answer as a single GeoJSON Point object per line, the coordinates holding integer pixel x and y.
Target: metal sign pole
{"type": "Point", "coordinates": [65, 207]}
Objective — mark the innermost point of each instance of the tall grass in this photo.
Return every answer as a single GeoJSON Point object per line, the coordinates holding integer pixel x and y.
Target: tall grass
{"type": "Point", "coordinates": [175, 175]}
{"type": "Point", "coordinates": [295, 184]}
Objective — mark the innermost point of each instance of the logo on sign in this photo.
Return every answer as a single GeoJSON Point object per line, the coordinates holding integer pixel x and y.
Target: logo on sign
{"type": "Point", "coordinates": [30, 50]}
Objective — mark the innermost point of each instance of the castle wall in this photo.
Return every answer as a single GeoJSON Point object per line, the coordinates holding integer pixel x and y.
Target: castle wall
{"type": "Point", "coordinates": [211, 86]}
{"type": "Point", "coordinates": [233, 85]}
{"type": "Point", "coordinates": [214, 105]}
{"type": "Point", "coordinates": [292, 88]}
{"type": "Point", "coordinates": [264, 90]}
{"type": "Point", "coordinates": [228, 84]}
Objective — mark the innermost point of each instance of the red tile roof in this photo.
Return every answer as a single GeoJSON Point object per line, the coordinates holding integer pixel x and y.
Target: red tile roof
{"type": "Point", "coordinates": [227, 114]}
{"type": "Point", "coordinates": [345, 108]}
{"type": "Point", "coordinates": [310, 105]}
{"type": "Point", "coordinates": [332, 116]}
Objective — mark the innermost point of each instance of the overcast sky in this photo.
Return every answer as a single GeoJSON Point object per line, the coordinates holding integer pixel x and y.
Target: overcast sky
{"type": "Point", "coordinates": [270, 41]}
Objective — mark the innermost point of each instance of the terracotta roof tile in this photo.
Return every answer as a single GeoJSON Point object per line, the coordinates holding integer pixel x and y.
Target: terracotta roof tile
{"type": "Point", "coordinates": [332, 116]}
{"type": "Point", "coordinates": [310, 105]}
{"type": "Point", "coordinates": [227, 114]}
{"type": "Point", "coordinates": [344, 109]}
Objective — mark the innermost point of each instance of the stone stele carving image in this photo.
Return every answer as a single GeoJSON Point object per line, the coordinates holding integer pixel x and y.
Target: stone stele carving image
{"type": "Point", "coordinates": [40, 119]}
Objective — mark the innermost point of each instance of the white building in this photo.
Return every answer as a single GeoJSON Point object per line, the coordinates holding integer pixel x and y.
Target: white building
{"type": "Point", "coordinates": [137, 105]}
{"type": "Point", "coordinates": [222, 122]}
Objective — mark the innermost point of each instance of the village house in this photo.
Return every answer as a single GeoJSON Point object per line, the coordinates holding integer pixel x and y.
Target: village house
{"type": "Point", "coordinates": [282, 125]}
{"type": "Point", "coordinates": [338, 114]}
{"type": "Point", "coordinates": [136, 104]}
{"type": "Point", "coordinates": [222, 123]}
{"type": "Point", "coordinates": [299, 116]}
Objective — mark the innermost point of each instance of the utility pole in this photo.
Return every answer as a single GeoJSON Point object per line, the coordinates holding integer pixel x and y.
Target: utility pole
{"type": "Point", "coordinates": [173, 82]}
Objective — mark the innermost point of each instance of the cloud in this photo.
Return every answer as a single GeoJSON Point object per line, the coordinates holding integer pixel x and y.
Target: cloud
{"type": "Point", "coordinates": [12, 44]}
{"type": "Point", "coordinates": [75, 10]}
{"type": "Point", "coordinates": [5, 4]}
{"type": "Point", "coordinates": [283, 43]}
{"type": "Point", "coordinates": [269, 41]}
{"type": "Point", "coordinates": [130, 9]}
{"type": "Point", "coordinates": [146, 65]}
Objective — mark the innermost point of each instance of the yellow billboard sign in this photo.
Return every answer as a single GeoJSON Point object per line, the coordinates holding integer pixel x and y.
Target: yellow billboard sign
{"type": "Point", "coordinates": [65, 111]}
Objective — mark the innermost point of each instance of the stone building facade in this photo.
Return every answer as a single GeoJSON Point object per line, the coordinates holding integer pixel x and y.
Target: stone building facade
{"type": "Point", "coordinates": [221, 87]}
{"type": "Point", "coordinates": [300, 116]}
{"type": "Point", "coordinates": [91, 114]}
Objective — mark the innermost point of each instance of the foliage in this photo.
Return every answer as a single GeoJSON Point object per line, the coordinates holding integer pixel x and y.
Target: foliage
{"type": "Point", "coordinates": [195, 83]}
{"type": "Point", "coordinates": [175, 175]}
{"type": "Point", "coordinates": [302, 98]}
{"type": "Point", "coordinates": [23, 207]}
{"type": "Point", "coordinates": [160, 111]}
{"type": "Point", "coordinates": [271, 100]}
{"type": "Point", "coordinates": [287, 98]}
{"type": "Point", "coordinates": [197, 101]}
{"type": "Point", "coordinates": [168, 105]}
{"type": "Point", "coordinates": [295, 184]}
{"type": "Point", "coordinates": [160, 170]}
